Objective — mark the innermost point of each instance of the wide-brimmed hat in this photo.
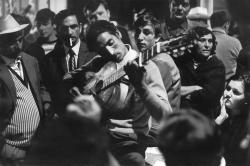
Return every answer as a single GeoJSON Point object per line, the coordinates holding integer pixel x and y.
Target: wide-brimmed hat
{"type": "Point", "coordinates": [9, 25]}
{"type": "Point", "coordinates": [198, 13]}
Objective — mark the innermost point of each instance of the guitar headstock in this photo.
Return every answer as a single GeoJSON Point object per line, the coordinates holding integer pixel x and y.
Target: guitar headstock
{"type": "Point", "coordinates": [176, 46]}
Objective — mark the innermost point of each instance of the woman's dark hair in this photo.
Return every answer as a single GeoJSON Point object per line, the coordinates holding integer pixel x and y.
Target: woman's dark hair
{"type": "Point", "coordinates": [95, 30]}
{"type": "Point", "coordinates": [149, 19]}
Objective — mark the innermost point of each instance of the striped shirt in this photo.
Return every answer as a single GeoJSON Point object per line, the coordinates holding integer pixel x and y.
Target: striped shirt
{"type": "Point", "coordinates": [25, 119]}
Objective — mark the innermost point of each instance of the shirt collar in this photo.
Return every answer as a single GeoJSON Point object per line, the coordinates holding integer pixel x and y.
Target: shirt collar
{"type": "Point", "coordinates": [220, 30]}
{"type": "Point", "coordinates": [76, 48]}
{"type": "Point", "coordinates": [131, 55]}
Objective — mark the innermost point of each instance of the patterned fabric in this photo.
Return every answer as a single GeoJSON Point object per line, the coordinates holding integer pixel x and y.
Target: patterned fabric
{"type": "Point", "coordinates": [25, 119]}
{"type": "Point", "coordinates": [72, 62]}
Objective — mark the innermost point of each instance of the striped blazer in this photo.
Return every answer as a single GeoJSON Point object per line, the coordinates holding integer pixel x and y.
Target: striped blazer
{"type": "Point", "coordinates": [8, 90]}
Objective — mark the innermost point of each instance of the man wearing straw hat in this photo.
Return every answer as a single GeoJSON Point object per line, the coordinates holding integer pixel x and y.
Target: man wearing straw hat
{"type": "Point", "coordinates": [22, 97]}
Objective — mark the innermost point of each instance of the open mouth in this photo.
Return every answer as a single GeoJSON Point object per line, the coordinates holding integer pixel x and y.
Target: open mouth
{"type": "Point", "coordinates": [178, 14]}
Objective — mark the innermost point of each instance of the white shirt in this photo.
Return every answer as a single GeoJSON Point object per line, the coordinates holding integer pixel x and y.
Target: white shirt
{"type": "Point", "coordinates": [75, 49]}
{"type": "Point", "coordinates": [17, 67]}
{"type": "Point", "coordinates": [131, 55]}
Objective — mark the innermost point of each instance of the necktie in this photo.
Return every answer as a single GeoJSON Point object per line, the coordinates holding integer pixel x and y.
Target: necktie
{"type": "Point", "coordinates": [72, 63]}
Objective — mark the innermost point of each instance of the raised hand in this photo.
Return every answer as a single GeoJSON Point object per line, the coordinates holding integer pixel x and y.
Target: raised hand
{"type": "Point", "coordinates": [135, 73]}
{"type": "Point", "coordinates": [84, 106]}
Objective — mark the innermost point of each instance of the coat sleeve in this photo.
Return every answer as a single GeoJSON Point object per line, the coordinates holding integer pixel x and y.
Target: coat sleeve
{"type": "Point", "coordinates": [154, 95]}
{"type": "Point", "coordinates": [6, 107]}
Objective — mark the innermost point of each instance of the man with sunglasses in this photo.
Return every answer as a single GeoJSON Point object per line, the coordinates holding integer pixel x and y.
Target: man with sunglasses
{"type": "Point", "coordinates": [23, 100]}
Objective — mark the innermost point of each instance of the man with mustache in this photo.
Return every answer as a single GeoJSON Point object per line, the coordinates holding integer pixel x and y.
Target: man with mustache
{"type": "Point", "coordinates": [69, 53]}
{"type": "Point", "coordinates": [202, 73]}
{"type": "Point", "coordinates": [177, 23]}
{"type": "Point", "coordinates": [23, 99]}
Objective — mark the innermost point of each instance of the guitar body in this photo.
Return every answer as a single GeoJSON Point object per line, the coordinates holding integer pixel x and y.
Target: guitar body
{"type": "Point", "coordinates": [109, 98]}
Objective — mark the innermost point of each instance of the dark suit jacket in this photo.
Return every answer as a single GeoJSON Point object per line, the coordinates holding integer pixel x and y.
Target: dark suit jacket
{"type": "Point", "coordinates": [8, 90]}
{"type": "Point", "coordinates": [54, 67]}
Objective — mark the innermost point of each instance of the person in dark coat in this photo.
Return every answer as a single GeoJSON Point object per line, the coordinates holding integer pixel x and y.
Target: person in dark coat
{"type": "Point", "coordinates": [69, 54]}
{"type": "Point", "coordinates": [202, 73]}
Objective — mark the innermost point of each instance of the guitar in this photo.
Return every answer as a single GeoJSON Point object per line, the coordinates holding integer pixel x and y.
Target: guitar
{"type": "Point", "coordinates": [103, 85]}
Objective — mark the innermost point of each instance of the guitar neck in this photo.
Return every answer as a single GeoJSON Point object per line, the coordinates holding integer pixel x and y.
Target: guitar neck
{"type": "Point", "coordinates": [165, 46]}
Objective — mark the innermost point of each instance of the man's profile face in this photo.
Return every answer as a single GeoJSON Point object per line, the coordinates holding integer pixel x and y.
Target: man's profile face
{"type": "Point", "coordinates": [45, 29]}
{"type": "Point", "coordinates": [70, 30]}
{"type": "Point", "coordinates": [112, 46]}
{"type": "Point", "coordinates": [145, 37]}
{"type": "Point", "coordinates": [204, 45]}
{"type": "Point", "coordinates": [101, 13]}
{"type": "Point", "coordinates": [179, 9]}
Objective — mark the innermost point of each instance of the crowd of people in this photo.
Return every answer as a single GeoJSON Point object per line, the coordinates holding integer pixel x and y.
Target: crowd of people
{"type": "Point", "coordinates": [89, 91]}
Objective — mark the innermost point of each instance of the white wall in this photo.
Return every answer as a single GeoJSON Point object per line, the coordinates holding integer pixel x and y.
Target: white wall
{"type": "Point", "coordinates": [209, 4]}
{"type": "Point", "coordinates": [58, 5]}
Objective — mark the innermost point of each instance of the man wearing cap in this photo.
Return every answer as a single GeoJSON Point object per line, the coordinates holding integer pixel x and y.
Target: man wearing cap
{"type": "Point", "coordinates": [23, 99]}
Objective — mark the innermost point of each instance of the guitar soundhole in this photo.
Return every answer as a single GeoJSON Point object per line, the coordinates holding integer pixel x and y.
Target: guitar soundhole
{"type": "Point", "coordinates": [99, 86]}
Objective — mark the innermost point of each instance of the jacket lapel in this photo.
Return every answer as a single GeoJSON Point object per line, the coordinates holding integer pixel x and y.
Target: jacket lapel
{"type": "Point", "coordinates": [29, 68]}
{"type": "Point", "coordinates": [81, 58]}
{"type": "Point", "coordinates": [84, 56]}
{"type": "Point", "coordinates": [60, 57]}
{"type": "Point", "coordinates": [6, 77]}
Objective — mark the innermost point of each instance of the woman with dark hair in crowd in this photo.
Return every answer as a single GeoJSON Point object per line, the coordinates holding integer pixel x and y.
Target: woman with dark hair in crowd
{"type": "Point", "coordinates": [233, 118]}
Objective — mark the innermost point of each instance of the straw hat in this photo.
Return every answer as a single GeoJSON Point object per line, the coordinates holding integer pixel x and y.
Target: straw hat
{"type": "Point", "coordinates": [198, 13]}
{"type": "Point", "coordinates": [9, 25]}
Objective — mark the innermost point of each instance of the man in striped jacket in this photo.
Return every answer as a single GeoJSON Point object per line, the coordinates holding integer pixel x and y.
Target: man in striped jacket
{"type": "Point", "coordinates": [21, 97]}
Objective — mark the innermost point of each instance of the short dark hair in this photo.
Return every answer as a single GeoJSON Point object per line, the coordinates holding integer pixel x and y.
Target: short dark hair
{"type": "Point", "coordinates": [59, 17]}
{"type": "Point", "coordinates": [189, 138]}
{"type": "Point", "coordinates": [44, 15]}
{"type": "Point", "coordinates": [92, 5]}
{"type": "Point", "coordinates": [198, 32]}
{"type": "Point", "coordinates": [96, 29]}
{"type": "Point", "coordinates": [219, 18]}
{"type": "Point", "coordinates": [192, 3]}
{"type": "Point", "coordinates": [148, 19]}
